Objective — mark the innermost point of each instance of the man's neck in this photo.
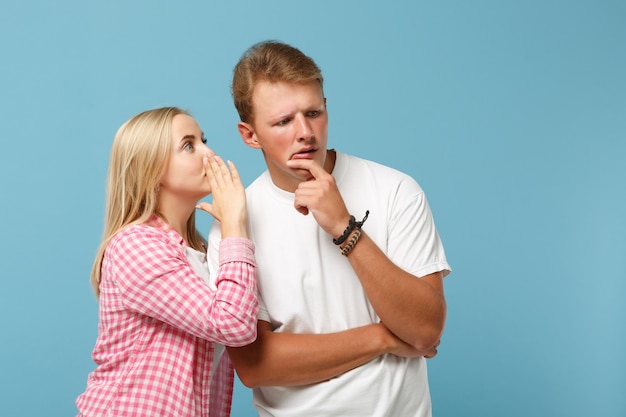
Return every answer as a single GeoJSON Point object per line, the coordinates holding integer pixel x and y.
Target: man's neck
{"type": "Point", "coordinates": [329, 162]}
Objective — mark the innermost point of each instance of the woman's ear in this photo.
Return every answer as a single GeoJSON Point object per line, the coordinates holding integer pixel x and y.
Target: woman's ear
{"type": "Point", "coordinates": [247, 134]}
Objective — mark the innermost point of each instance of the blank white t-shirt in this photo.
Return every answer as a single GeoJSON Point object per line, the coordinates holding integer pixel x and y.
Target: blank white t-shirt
{"type": "Point", "coordinates": [307, 286]}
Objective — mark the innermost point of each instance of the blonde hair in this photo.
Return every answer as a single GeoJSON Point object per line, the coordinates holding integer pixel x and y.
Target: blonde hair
{"type": "Point", "coordinates": [139, 155]}
{"type": "Point", "coordinates": [271, 61]}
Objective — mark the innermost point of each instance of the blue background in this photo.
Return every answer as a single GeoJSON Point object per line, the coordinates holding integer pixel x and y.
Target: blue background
{"type": "Point", "coordinates": [510, 114]}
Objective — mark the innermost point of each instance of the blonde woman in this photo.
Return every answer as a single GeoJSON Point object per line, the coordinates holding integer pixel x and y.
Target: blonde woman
{"type": "Point", "coordinates": [163, 322]}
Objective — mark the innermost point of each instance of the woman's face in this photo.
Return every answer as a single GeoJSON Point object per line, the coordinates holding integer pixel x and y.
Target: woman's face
{"type": "Point", "coordinates": [185, 177]}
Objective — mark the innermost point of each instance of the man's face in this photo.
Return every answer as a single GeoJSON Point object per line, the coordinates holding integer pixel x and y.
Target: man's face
{"type": "Point", "coordinates": [290, 122]}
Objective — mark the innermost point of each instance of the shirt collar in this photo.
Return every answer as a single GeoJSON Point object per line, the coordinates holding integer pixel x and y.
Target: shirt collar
{"type": "Point", "coordinates": [159, 223]}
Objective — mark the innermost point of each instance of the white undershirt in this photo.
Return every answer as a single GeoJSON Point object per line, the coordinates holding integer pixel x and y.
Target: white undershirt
{"type": "Point", "coordinates": [198, 262]}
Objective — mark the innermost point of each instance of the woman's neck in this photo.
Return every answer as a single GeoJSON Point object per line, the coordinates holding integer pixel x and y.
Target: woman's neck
{"type": "Point", "coordinates": [177, 215]}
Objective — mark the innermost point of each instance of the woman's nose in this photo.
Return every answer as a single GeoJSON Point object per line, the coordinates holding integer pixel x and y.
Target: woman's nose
{"type": "Point", "coordinates": [208, 151]}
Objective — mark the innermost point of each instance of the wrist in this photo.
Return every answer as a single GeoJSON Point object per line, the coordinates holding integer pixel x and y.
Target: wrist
{"type": "Point", "coordinates": [386, 343]}
{"type": "Point", "coordinates": [343, 228]}
{"type": "Point", "coordinates": [352, 225]}
{"type": "Point", "coordinates": [237, 229]}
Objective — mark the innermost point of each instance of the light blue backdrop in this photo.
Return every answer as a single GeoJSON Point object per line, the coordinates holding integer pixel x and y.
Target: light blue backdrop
{"type": "Point", "coordinates": [510, 114]}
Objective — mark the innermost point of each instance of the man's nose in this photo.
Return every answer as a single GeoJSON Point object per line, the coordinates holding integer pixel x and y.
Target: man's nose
{"type": "Point", "coordinates": [305, 132]}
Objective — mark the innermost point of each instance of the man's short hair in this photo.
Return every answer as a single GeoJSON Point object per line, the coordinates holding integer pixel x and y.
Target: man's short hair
{"type": "Point", "coordinates": [271, 61]}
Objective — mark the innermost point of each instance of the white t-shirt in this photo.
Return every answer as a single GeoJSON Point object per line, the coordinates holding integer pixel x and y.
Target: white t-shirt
{"type": "Point", "coordinates": [307, 286]}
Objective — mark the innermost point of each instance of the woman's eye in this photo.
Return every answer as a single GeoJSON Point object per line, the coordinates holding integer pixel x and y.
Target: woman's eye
{"type": "Point", "coordinates": [188, 146]}
{"type": "Point", "coordinates": [204, 140]}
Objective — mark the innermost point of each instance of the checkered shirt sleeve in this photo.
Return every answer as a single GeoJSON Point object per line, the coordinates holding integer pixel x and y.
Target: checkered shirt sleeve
{"type": "Point", "coordinates": [155, 279]}
{"type": "Point", "coordinates": [158, 322]}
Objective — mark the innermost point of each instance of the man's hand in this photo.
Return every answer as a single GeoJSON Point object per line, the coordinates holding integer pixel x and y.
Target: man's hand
{"type": "Point", "coordinates": [321, 197]}
{"type": "Point", "coordinates": [400, 348]}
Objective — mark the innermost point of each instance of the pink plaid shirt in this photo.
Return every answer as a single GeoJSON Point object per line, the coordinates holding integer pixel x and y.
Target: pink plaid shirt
{"type": "Point", "coordinates": [157, 324]}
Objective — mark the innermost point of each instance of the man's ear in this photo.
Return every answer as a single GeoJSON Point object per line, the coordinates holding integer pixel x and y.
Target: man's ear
{"type": "Point", "coordinates": [247, 134]}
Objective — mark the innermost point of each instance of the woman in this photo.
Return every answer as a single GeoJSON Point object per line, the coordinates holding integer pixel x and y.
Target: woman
{"type": "Point", "coordinates": [163, 322]}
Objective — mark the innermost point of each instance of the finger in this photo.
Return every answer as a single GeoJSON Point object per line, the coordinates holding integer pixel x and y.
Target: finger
{"type": "Point", "coordinates": [431, 354]}
{"type": "Point", "coordinates": [204, 206]}
{"type": "Point", "coordinates": [312, 166]}
{"type": "Point", "coordinates": [234, 173]}
{"type": "Point", "coordinates": [217, 174]}
{"type": "Point", "coordinates": [301, 209]}
{"type": "Point", "coordinates": [224, 171]}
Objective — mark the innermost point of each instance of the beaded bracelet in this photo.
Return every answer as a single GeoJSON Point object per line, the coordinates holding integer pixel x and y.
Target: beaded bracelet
{"type": "Point", "coordinates": [345, 250]}
{"type": "Point", "coordinates": [352, 224]}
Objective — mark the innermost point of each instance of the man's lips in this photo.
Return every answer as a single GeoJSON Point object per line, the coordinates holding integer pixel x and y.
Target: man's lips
{"type": "Point", "coordinates": [305, 154]}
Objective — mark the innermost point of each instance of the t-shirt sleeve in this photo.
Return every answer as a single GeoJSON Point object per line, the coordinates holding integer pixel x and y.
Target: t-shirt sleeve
{"type": "Point", "coordinates": [414, 243]}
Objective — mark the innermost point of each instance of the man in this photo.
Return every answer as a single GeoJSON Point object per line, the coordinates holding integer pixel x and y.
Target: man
{"type": "Point", "coordinates": [350, 266]}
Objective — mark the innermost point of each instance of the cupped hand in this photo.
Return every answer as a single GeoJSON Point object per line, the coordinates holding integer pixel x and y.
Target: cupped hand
{"type": "Point", "coordinates": [229, 197]}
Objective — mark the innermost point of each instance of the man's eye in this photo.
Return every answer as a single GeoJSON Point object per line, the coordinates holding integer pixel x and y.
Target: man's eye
{"type": "Point", "coordinates": [203, 140]}
{"type": "Point", "coordinates": [283, 122]}
{"type": "Point", "coordinates": [314, 113]}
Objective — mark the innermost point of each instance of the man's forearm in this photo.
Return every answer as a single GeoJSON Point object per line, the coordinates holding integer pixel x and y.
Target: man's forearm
{"type": "Point", "coordinates": [286, 359]}
{"type": "Point", "coordinates": [413, 308]}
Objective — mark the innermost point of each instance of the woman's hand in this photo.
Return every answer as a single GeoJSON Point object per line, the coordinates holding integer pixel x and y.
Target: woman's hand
{"type": "Point", "coordinates": [229, 197]}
